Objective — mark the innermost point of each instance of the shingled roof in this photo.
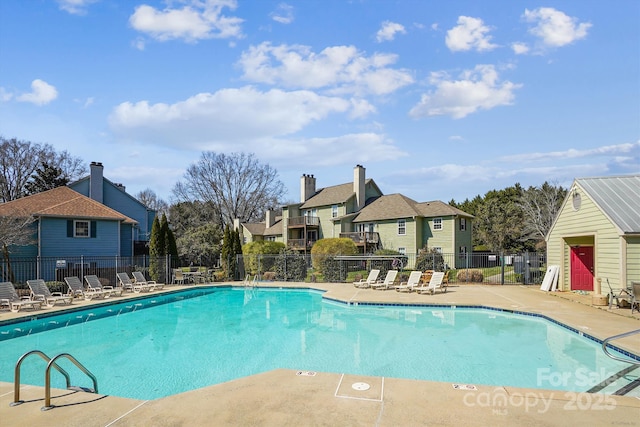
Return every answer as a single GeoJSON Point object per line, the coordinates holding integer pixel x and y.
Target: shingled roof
{"type": "Point", "coordinates": [331, 195]}
{"type": "Point", "coordinates": [396, 206]}
{"type": "Point", "coordinates": [261, 229]}
{"type": "Point", "coordinates": [61, 202]}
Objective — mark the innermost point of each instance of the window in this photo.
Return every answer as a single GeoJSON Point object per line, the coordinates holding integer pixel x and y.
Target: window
{"type": "Point", "coordinates": [402, 227]}
{"type": "Point", "coordinates": [81, 229]}
{"type": "Point", "coordinates": [403, 251]}
{"type": "Point", "coordinates": [463, 224]}
{"type": "Point", "coordinates": [462, 252]}
{"type": "Point", "coordinates": [437, 249]}
{"type": "Point", "coordinates": [334, 211]}
{"type": "Point", "coordinates": [270, 238]}
{"type": "Point", "coordinates": [437, 223]}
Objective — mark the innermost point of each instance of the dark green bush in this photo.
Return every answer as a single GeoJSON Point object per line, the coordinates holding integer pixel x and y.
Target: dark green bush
{"type": "Point", "coordinates": [430, 259]}
{"type": "Point", "coordinates": [290, 266]}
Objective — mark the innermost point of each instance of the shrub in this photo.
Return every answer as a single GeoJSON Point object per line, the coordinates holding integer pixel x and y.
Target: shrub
{"type": "Point", "coordinates": [429, 259]}
{"type": "Point", "coordinates": [269, 275]}
{"type": "Point", "coordinates": [258, 257]}
{"type": "Point", "coordinates": [333, 271]}
{"type": "Point", "coordinates": [290, 266]}
{"type": "Point", "coordinates": [468, 275]}
{"type": "Point", "coordinates": [324, 251]}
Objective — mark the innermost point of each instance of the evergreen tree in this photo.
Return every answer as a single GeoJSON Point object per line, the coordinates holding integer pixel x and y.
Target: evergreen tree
{"type": "Point", "coordinates": [226, 250]}
{"type": "Point", "coordinates": [155, 250]}
{"type": "Point", "coordinates": [45, 178]}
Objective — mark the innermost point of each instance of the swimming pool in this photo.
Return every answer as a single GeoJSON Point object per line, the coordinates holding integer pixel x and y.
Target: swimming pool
{"type": "Point", "coordinates": [167, 344]}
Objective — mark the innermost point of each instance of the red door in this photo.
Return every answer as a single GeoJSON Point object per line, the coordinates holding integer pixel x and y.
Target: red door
{"type": "Point", "coordinates": [582, 268]}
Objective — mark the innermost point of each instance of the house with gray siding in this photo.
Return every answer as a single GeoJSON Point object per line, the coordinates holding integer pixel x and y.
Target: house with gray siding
{"type": "Point", "coordinates": [595, 236]}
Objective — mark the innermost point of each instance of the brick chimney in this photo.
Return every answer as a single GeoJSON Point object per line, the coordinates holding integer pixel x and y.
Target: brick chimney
{"type": "Point", "coordinates": [96, 179]}
{"type": "Point", "coordinates": [358, 185]}
{"type": "Point", "coordinates": [307, 187]}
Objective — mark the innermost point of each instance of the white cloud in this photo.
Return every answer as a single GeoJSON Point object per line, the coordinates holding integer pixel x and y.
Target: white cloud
{"type": "Point", "coordinates": [75, 7]}
{"type": "Point", "coordinates": [389, 30]}
{"type": "Point", "coordinates": [477, 89]}
{"type": "Point", "coordinates": [41, 93]}
{"type": "Point", "coordinates": [226, 116]}
{"type": "Point", "coordinates": [197, 20]}
{"type": "Point", "coordinates": [554, 28]}
{"type": "Point", "coordinates": [283, 14]}
{"type": "Point", "coordinates": [572, 153]}
{"type": "Point", "coordinates": [337, 69]}
{"type": "Point", "coordinates": [519, 48]}
{"type": "Point", "coordinates": [470, 33]}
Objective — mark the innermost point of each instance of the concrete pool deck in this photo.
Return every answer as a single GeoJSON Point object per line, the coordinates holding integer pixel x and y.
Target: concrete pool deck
{"type": "Point", "coordinates": [285, 398]}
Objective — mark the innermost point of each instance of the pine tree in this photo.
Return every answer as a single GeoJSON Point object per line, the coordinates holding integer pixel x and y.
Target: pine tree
{"type": "Point", "coordinates": [155, 250]}
{"type": "Point", "coordinates": [226, 251]}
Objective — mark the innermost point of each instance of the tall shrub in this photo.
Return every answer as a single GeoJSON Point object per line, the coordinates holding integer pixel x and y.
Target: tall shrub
{"type": "Point", "coordinates": [254, 261]}
{"type": "Point", "coordinates": [155, 250]}
{"type": "Point", "coordinates": [323, 255]}
{"type": "Point", "coordinates": [226, 251]}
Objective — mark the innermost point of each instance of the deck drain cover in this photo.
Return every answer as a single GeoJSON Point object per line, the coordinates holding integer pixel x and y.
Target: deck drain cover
{"type": "Point", "coordinates": [360, 386]}
{"type": "Point", "coordinates": [306, 373]}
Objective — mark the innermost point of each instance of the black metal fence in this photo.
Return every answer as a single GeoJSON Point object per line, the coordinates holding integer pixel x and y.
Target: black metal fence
{"type": "Point", "coordinates": [505, 269]}
{"type": "Point", "coordinates": [522, 268]}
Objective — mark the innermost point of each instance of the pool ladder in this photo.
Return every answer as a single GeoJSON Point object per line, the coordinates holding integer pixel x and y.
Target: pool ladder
{"type": "Point", "coordinates": [51, 363]}
{"type": "Point", "coordinates": [635, 364]}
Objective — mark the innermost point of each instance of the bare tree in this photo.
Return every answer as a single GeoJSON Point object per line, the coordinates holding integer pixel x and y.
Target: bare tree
{"type": "Point", "coordinates": [15, 230]}
{"type": "Point", "coordinates": [238, 185]}
{"type": "Point", "coordinates": [19, 160]}
{"type": "Point", "coordinates": [150, 199]}
{"type": "Point", "coordinates": [540, 206]}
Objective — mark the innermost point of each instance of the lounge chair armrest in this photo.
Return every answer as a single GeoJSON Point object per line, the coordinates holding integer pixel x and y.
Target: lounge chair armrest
{"type": "Point", "coordinates": [56, 294]}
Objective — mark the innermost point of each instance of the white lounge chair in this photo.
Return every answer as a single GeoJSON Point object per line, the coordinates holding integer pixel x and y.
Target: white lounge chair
{"type": "Point", "coordinates": [127, 284]}
{"type": "Point", "coordinates": [76, 289]}
{"type": "Point", "coordinates": [371, 279]}
{"type": "Point", "coordinates": [388, 281]}
{"type": "Point", "coordinates": [40, 292]}
{"type": "Point", "coordinates": [412, 282]}
{"type": "Point", "coordinates": [9, 298]}
{"type": "Point", "coordinates": [94, 283]}
{"type": "Point", "coordinates": [140, 279]}
{"type": "Point", "coordinates": [434, 283]}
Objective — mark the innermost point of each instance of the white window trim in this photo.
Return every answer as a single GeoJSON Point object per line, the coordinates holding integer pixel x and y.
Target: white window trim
{"type": "Point", "coordinates": [439, 225]}
{"type": "Point", "coordinates": [76, 222]}
{"type": "Point", "coordinates": [334, 211]}
{"type": "Point", "coordinates": [403, 227]}
{"type": "Point", "coordinates": [463, 224]}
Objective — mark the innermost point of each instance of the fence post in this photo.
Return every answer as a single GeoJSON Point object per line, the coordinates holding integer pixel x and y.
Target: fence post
{"type": "Point", "coordinates": [502, 267]}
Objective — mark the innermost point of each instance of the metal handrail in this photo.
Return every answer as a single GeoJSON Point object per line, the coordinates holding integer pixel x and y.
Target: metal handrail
{"type": "Point", "coordinates": [47, 378]}
{"type": "Point", "coordinates": [615, 337]}
{"type": "Point", "coordinates": [16, 381]}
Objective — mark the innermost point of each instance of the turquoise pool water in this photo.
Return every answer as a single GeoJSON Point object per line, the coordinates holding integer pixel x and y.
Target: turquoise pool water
{"type": "Point", "coordinates": [164, 345]}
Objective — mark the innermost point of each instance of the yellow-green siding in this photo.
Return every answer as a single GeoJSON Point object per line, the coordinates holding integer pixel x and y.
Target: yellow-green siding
{"type": "Point", "coordinates": [586, 226]}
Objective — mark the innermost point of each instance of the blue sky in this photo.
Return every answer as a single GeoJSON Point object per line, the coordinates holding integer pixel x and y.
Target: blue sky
{"type": "Point", "coordinates": [437, 99]}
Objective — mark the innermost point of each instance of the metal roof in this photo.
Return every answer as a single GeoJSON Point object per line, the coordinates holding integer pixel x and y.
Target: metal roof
{"type": "Point", "coordinates": [618, 197]}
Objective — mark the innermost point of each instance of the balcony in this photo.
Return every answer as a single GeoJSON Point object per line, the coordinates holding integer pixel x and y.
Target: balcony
{"type": "Point", "coordinates": [300, 244]}
{"type": "Point", "coordinates": [304, 221]}
{"type": "Point", "coordinates": [363, 238]}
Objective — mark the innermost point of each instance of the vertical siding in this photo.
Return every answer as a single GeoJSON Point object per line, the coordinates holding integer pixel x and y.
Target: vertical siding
{"type": "Point", "coordinates": [576, 228]}
{"type": "Point", "coordinates": [126, 240]}
{"type": "Point", "coordinates": [54, 240]}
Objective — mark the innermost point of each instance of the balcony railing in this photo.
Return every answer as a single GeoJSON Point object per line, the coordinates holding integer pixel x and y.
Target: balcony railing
{"type": "Point", "coordinates": [362, 237]}
{"type": "Point", "coordinates": [300, 221]}
{"type": "Point", "coordinates": [300, 243]}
